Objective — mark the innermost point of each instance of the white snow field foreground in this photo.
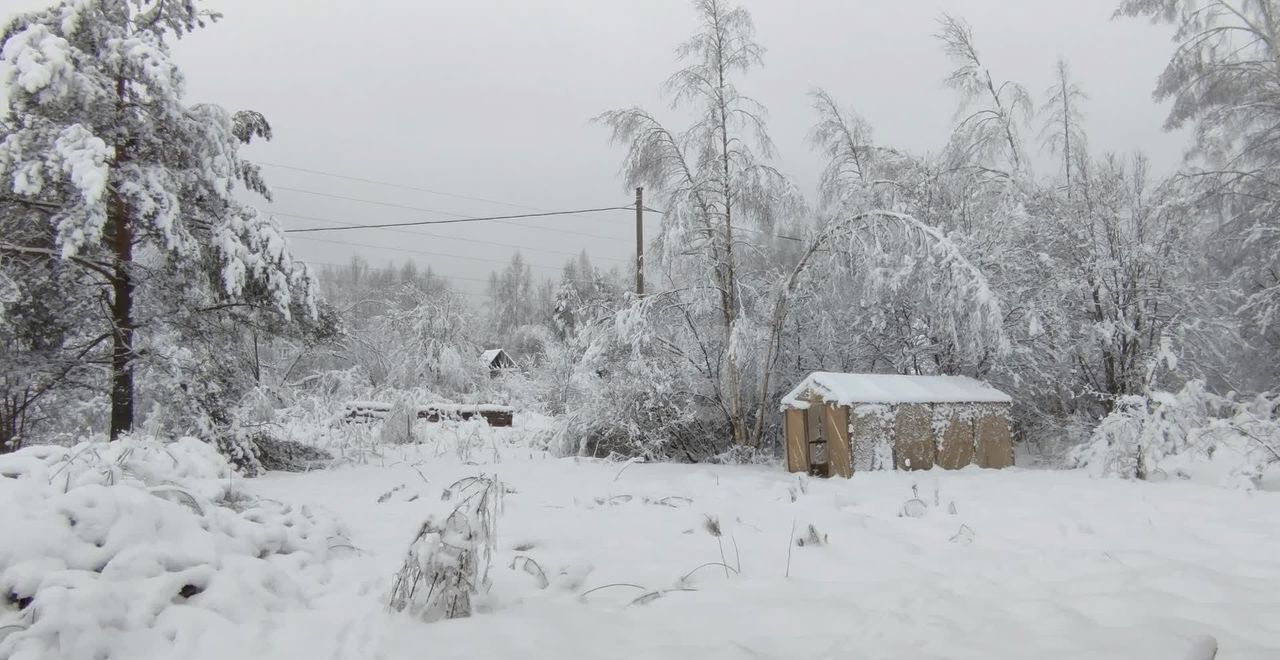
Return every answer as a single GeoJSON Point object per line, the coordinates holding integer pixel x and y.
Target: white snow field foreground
{"type": "Point", "coordinates": [1031, 564]}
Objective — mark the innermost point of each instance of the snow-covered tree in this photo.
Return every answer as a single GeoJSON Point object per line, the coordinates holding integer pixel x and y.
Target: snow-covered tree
{"type": "Point", "coordinates": [1062, 132]}
{"type": "Point", "coordinates": [585, 295]}
{"type": "Point", "coordinates": [989, 132]}
{"type": "Point", "coordinates": [141, 186]}
{"type": "Point", "coordinates": [511, 296]}
{"type": "Point", "coordinates": [718, 194]}
{"type": "Point", "coordinates": [44, 351]}
{"type": "Point", "coordinates": [1221, 80]}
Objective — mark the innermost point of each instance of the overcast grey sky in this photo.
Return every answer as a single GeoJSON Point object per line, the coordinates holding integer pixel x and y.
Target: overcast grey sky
{"type": "Point", "coordinates": [493, 99]}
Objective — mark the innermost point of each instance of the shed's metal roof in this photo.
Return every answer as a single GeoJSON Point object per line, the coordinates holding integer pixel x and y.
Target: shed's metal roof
{"type": "Point", "coordinates": [848, 389]}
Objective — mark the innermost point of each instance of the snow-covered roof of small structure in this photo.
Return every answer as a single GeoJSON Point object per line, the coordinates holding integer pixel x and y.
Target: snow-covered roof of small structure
{"type": "Point", "coordinates": [848, 389]}
{"type": "Point", "coordinates": [490, 355]}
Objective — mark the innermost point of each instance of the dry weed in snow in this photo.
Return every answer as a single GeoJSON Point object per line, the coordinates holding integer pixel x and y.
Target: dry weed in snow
{"type": "Point", "coordinates": [448, 561]}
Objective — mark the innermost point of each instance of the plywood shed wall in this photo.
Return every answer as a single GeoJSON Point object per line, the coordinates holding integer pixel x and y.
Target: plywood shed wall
{"type": "Point", "coordinates": [873, 421]}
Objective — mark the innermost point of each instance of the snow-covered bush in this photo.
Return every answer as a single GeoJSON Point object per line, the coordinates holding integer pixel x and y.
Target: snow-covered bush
{"type": "Point", "coordinates": [448, 561]}
{"type": "Point", "coordinates": [628, 396]}
{"type": "Point", "coordinates": [397, 427]}
{"type": "Point", "coordinates": [1191, 434]}
{"type": "Point", "coordinates": [139, 548]}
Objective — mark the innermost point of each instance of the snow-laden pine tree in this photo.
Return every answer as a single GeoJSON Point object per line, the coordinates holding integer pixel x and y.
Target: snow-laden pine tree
{"type": "Point", "coordinates": [134, 186]}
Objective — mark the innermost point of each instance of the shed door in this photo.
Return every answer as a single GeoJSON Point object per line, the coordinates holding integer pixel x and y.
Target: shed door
{"type": "Point", "coordinates": [835, 422]}
{"type": "Point", "coordinates": [796, 441]}
{"type": "Point", "coordinates": [819, 461]}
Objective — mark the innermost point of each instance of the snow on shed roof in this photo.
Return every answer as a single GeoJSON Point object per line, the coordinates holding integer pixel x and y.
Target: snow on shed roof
{"type": "Point", "coordinates": [489, 355]}
{"type": "Point", "coordinates": [847, 389]}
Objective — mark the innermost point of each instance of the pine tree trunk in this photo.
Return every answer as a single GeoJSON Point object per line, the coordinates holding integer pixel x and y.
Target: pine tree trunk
{"type": "Point", "coordinates": [121, 290]}
{"type": "Point", "coordinates": [122, 322]}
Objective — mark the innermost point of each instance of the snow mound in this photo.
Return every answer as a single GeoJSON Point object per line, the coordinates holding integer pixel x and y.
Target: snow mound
{"type": "Point", "coordinates": [187, 462]}
{"type": "Point", "coordinates": [140, 548]}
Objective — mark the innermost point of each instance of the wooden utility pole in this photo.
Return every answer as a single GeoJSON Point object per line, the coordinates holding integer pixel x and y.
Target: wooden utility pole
{"type": "Point", "coordinates": [639, 241]}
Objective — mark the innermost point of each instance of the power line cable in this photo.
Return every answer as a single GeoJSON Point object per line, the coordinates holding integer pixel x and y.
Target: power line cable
{"type": "Point", "coordinates": [429, 253]}
{"type": "Point", "coordinates": [494, 218]}
{"type": "Point", "coordinates": [451, 238]}
{"type": "Point", "coordinates": [399, 185]}
{"type": "Point", "coordinates": [467, 197]}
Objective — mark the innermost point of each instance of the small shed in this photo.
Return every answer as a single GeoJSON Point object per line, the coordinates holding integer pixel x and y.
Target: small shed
{"type": "Point", "coordinates": [837, 424]}
{"type": "Point", "coordinates": [497, 360]}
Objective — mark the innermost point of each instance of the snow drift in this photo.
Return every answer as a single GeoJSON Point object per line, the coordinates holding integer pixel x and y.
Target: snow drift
{"type": "Point", "coordinates": [141, 548]}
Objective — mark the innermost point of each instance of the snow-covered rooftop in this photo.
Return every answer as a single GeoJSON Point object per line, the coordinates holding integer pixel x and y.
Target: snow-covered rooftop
{"type": "Point", "coordinates": [489, 355]}
{"type": "Point", "coordinates": [847, 389]}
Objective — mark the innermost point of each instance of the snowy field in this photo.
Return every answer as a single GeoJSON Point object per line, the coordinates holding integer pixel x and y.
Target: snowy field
{"type": "Point", "coordinates": [989, 564]}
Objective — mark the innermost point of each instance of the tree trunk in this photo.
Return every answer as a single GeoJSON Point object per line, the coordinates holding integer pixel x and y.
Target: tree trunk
{"type": "Point", "coordinates": [122, 321]}
{"type": "Point", "coordinates": [729, 300]}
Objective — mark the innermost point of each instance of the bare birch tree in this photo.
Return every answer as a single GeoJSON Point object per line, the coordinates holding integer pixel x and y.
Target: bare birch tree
{"type": "Point", "coordinates": [714, 183]}
{"type": "Point", "coordinates": [990, 131]}
{"type": "Point", "coordinates": [1062, 133]}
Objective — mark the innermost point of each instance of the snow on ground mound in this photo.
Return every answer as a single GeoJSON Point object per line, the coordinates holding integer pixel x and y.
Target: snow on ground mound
{"type": "Point", "coordinates": [140, 548]}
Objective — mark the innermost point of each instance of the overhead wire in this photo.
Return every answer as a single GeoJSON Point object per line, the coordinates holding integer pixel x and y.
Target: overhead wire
{"type": "Point", "coordinates": [429, 253]}
{"type": "Point", "coordinates": [402, 186]}
{"type": "Point", "coordinates": [456, 219]}
{"type": "Point", "coordinates": [477, 241]}
{"type": "Point", "coordinates": [500, 219]}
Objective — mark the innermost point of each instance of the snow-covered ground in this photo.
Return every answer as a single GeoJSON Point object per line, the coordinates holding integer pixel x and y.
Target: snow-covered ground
{"type": "Point", "coordinates": [1058, 566]}
{"type": "Point", "coordinates": [998, 564]}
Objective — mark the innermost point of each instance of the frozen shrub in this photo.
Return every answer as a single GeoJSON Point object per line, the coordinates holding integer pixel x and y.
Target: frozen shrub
{"type": "Point", "coordinates": [237, 445]}
{"type": "Point", "coordinates": [397, 427]}
{"type": "Point", "coordinates": [1193, 434]}
{"type": "Point", "coordinates": [448, 560]}
{"type": "Point", "coordinates": [287, 455]}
